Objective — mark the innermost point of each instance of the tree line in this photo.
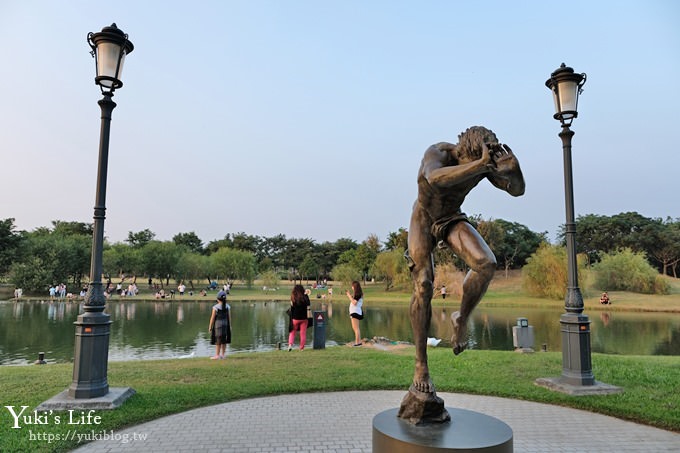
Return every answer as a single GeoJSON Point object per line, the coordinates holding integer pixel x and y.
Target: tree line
{"type": "Point", "coordinates": [61, 253]}
{"type": "Point", "coordinates": [657, 239]}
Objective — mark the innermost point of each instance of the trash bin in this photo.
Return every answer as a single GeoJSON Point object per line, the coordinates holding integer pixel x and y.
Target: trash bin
{"type": "Point", "coordinates": [523, 335]}
{"type": "Point", "coordinates": [320, 319]}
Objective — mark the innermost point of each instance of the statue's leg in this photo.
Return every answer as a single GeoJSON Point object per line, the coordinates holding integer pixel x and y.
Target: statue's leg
{"type": "Point", "coordinates": [420, 245]}
{"type": "Point", "coordinates": [420, 311]}
{"type": "Point", "coordinates": [469, 245]}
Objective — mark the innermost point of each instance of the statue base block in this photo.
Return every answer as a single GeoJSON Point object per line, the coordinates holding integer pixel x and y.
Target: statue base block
{"type": "Point", "coordinates": [423, 407]}
{"type": "Point", "coordinates": [467, 431]}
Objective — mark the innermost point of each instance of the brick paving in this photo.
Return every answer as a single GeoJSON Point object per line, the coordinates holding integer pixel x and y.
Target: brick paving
{"type": "Point", "coordinates": [342, 422]}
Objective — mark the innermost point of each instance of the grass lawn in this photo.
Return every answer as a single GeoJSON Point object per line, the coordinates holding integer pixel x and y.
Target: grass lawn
{"type": "Point", "coordinates": [170, 386]}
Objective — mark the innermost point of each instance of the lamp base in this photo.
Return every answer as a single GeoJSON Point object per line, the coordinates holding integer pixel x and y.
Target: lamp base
{"type": "Point", "coordinates": [559, 385]}
{"type": "Point", "coordinates": [63, 401]}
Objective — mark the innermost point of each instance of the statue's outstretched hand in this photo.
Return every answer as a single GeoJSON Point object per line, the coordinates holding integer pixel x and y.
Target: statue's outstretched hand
{"type": "Point", "coordinates": [503, 158]}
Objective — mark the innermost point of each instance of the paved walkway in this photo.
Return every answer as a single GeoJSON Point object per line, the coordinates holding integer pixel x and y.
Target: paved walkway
{"type": "Point", "coordinates": [342, 422]}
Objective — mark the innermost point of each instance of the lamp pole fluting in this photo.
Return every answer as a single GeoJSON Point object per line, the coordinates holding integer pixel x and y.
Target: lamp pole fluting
{"type": "Point", "coordinates": [91, 352]}
{"type": "Point", "coordinates": [575, 326]}
{"type": "Point", "coordinates": [573, 302]}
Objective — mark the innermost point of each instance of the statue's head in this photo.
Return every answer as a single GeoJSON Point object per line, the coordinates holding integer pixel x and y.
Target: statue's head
{"type": "Point", "coordinates": [470, 143]}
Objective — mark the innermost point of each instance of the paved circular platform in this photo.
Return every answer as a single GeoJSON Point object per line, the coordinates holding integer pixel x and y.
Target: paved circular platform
{"type": "Point", "coordinates": [342, 422]}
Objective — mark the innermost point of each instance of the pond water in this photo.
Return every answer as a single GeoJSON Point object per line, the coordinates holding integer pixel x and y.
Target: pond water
{"type": "Point", "coordinates": [155, 330]}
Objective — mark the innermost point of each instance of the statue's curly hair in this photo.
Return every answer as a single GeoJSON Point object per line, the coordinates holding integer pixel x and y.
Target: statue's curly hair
{"type": "Point", "coordinates": [470, 142]}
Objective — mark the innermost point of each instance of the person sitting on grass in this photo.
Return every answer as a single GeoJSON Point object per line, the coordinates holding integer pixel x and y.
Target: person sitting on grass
{"type": "Point", "coordinates": [604, 300]}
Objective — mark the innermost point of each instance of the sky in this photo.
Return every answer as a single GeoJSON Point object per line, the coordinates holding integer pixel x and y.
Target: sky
{"type": "Point", "coordinates": [310, 118]}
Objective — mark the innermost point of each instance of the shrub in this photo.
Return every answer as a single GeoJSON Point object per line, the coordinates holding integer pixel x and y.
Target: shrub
{"type": "Point", "coordinates": [450, 276]}
{"type": "Point", "coordinates": [545, 274]}
{"type": "Point", "coordinates": [626, 270]}
{"type": "Point", "coordinates": [270, 279]}
{"type": "Point", "coordinates": [346, 274]}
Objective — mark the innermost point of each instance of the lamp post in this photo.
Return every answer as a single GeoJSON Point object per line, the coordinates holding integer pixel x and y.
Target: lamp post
{"type": "Point", "coordinates": [109, 48]}
{"type": "Point", "coordinates": [576, 365]}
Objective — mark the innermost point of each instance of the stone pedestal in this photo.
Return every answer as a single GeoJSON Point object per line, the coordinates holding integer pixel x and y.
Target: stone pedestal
{"type": "Point", "coordinates": [467, 431]}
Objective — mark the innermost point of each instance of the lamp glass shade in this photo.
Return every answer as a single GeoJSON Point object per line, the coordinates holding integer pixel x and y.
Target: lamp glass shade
{"type": "Point", "coordinates": [109, 62]}
{"type": "Point", "coordinates": [566, 98]}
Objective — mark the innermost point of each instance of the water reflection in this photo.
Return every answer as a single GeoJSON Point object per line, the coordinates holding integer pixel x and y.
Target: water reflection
{"type": "Point", "coordinates": [605, 317]}
{"type": "Point", "coordinates": [167, 329]}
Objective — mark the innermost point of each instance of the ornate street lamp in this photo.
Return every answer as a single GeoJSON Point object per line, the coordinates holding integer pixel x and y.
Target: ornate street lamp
{"type": "Point", "coordinates": [109, 48]}
{"type": "Point", "coordinates": [566, 85]}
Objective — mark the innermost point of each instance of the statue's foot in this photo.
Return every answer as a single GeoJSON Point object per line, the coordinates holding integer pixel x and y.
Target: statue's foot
{"type": "Point", "coordinates": [423, 385]}
{"type": "Point", "coordinates": [422, 381]}
{"type": "Point", "coordinates": [459, 338]}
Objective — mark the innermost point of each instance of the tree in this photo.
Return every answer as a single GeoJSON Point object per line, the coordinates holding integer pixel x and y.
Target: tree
{"type": "Point", "coordinates": [667, 247]}
{"type": "Point", "coordinates": [597, 234]}
{"type": "Point", "coordinates": [273, 249]}
{"type": "Point", "coordinates": [343, 247]}
{"type": "Point", "coordinates": [10, 241]}
{"type": "Point", "coordinates": [31, 275]}
{"type": "Point", "coordinates": [247, 242]}
{"type": "Point", "coordinates": [493, 233]}
{"type": "Point", "coordinates": [296, 251]}
{"type": "Point", "coordinates": [391, 266]}
{"type": "Point", "coordinates": [53, 259]}
{"type": "Point", "coordinates": [364, 257]}
{"type": "Point", "coordinates": [372, 242]}
{"type": "Point", "coordinates": [72, 228]}
{"type": "Point", "coordinates": [72, 256]}
{"type": "Point", "coordinates": [346, 274]}
{"type": "Point", "coordinates": [308, 268]}
{"type": "Point", "coordinates": [122, 259]}
{"type": "Point", "coordinates": [189, 240]}
{"type": "Point", "coordinates": [326, 258]}
{"type": "Point", "coordinates": [214, 246]}
{"type": "Point", "coordinates": [192, 266]}
{"type": "Point", "coordinates": [141, 238]}
{"type": "Point", "coordinates": [234, 264]}
{"type": "Point", "coordinates": [161, 259]}
{"type": "Point", "coordinates": [397, 239]}
{"type": "Point", "coordinates": [515, 243]}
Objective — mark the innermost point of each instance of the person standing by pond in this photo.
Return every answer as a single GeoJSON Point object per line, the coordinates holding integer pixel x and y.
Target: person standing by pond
{"type": "Point", "coordinates": [299, 301]}
{"type": "Point", "coordinates": [220, 325]}
{"type": "Point", "coordinates": [356, 312]}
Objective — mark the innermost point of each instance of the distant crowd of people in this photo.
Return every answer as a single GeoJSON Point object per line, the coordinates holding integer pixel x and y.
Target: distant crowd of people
{"type": "Point", "coordinates": [60, 291]}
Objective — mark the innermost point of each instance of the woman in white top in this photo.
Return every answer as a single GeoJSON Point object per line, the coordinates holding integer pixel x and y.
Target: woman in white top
{"type": "Point", "coordinates": [356, 314]}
